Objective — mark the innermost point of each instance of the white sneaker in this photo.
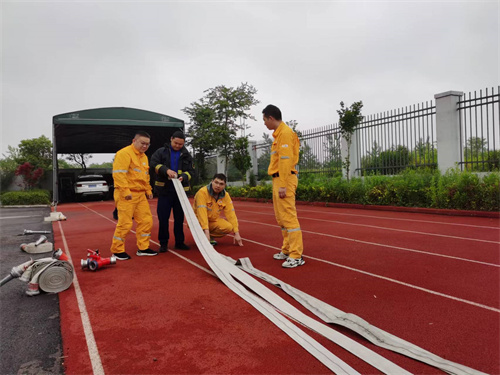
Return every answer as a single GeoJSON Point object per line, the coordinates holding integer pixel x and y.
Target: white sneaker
{"type": "Point", "coordinates": [280, 256]}
{"type": "Point", "coordinates": [292, 263]}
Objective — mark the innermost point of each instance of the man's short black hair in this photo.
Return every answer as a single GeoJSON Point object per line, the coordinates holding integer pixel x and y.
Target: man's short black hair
{"type": "Point", "coordinates": [220, 176]}
{"type": "Point", "coordinates": [272, 110]}
{"type": "Point", "coordinates": [178, 134]}
{"type": "Point", "coordinates": [141, 133]}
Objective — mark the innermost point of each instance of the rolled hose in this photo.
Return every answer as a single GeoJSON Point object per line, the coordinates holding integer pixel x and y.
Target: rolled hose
{"type": "Point", "coordinates": [54, 276]}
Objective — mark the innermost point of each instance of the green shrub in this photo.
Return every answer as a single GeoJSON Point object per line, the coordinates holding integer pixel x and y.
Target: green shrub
{"type": "Point", "coordinates": [412, 188]}
{"type": "Point", "coordinates": [28, 197]}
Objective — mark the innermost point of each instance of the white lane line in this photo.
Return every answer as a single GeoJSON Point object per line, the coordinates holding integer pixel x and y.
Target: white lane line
{"type": "Point", "coordinates": [395, 218]}
{"type": "Point", "coordinates": [389, 279]}
{"type": "Point", "coordinates": [95, 358]}
{"type": "Point", "coordinates": [393, 229]}
{"type": "Point", "coordinates": [369, 273]}
{"type": "Point", "coordinates": [410, 220]}
{"type": "Point", "coordinates": [402, 230]}
{"type": "Point", "coordinates": [383, 245]}
{"type": "Point", "coordinates": [156, 243]}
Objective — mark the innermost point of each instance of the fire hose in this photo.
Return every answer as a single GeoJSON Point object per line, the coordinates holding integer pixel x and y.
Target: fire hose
{"type": "Point", "coordinates": [269, 303]}
{"type": "Point", "coordinates": [51, 275]}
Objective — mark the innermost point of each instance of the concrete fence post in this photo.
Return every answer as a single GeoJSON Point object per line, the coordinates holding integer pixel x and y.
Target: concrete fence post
{"type": "Point", "coordinates": [221, 164]}
{"type": "Point", "coordinates": [353, 156]}
{"type": "Point", "coordinates": [253, 156]}
{"type": "Point", "coordinates": [447, 129]}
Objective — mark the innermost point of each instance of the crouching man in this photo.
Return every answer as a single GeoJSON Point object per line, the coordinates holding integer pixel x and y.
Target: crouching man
{"type": "Point", "coordinates": [209, 202]}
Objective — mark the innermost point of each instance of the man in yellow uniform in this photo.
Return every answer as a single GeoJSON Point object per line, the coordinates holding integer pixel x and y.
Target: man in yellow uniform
{"type": "Point", "coordinates": [208, 204]}
{"type": "Point", "coordinates": [284, 158]}
{"type": "Point", "coordinates": [132, 191]}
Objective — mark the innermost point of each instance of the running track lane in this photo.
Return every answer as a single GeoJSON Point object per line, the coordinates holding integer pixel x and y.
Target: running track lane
{"type": "Point", "coordinates": [163, 308]}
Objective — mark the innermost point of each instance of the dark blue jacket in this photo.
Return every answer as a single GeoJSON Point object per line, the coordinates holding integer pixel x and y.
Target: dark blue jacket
{"type": "Point", "coordinates": [160, 163]}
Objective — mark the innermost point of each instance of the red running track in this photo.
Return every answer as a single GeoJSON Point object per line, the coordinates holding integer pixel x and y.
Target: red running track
{"type": "Point", "coordinates": [432, 280]}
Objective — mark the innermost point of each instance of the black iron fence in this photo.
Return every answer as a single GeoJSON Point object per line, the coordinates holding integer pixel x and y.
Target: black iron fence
{"type": "Point", "coordinates": [390, 142]}
{"type": "Point", "coordinates": [320, 152]}
{"type": "Point", "coordinates": [479, 117]}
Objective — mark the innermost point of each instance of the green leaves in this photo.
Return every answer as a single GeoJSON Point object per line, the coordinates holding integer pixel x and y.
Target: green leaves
{"type": "Point", "coordinates": [216, 119]}
{"type": "Point", "coordinates": [349, 119]}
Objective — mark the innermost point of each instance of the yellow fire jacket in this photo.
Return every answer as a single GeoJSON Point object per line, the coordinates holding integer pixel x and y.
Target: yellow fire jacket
{"type": "Point", "coordinates": [284, 154]}
{"type": "Point", "coordinates": [131, 171]}
{"type": "Point", "coordinates": [207, 208]}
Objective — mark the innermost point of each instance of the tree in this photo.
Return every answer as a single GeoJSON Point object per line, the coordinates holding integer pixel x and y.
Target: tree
{"type": "Point", "coordinates": [63, 164]}
{"type": "Point", "coordinates": [214, 117]}
{"type": "Point", "coordinates": [308, 160]}
{"type": "Point", "coordinates": [107, 164]}
{"type": "Point", "coordinates": [202, 134]}
{"type": "Point", "coordinates": [79, 159]}
{"type": "Point", "coordinates": [36, 151]}
{"type": "Point", "coordinates": [30, 175]}
{"type": "Point", "coordinates": [265, 156]}
{"type": "Point", "coordinates": [475, 146]}
{"type": "Point", "coordinates": [349, 119]}
{"type": "Point", "coordinates": [333, 151]}
{"type": "Point", "coordinates": [425, 153]}
{"type": "Point", "coordinates": [241, 157]}
{"type": "Point", "coordinates": [8, 166]}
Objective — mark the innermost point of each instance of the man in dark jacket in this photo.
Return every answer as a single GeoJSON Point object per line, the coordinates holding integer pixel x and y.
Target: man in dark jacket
{"type": "Point", "coordinates": [173, 160]}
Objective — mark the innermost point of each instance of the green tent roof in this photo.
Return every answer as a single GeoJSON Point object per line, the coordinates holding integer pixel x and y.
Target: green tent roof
{"type": "Point", "coordinates": [106, 130]}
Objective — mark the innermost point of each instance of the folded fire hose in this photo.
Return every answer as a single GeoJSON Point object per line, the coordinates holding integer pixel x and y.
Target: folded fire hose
{"type": "Point", "coordinates": [51, 275]}
{"type": "Point", "coordinates": [375, 335]}
{"type": "Point", "coordinates": [269, 303]}
{"type": "Point", "coordinates": [233, 277]}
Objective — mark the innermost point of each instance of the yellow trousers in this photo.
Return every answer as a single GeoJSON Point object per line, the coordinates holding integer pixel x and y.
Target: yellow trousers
{"type": "Point", "coordinates": [286, 216]}
{"type": "Point", "coordinates": [219, 228]}
{"type": "Point", "coordinates": [137, 208]}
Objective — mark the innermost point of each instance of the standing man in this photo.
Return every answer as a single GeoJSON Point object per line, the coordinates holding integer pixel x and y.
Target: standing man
{"type": "Point", "coordinates": [132, 191]}
{"type": "Point", "coordinates": [173, 160]}
{"type": "Point", "coordinates": [284, 158]}
{"type": "Point", "coordinates": [209, 202]}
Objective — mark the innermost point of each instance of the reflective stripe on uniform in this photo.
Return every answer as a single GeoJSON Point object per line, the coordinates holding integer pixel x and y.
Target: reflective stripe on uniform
{"type": "Point", "coordinates": [146, 235]}
{"type": "Point", "coordinates": [285, 157]}
{"type": "Point", "coordinates": [120, 171]}
{"type": "Point", "coordinates": [118, 238]}
{"type": "Point", "coordinates": [293, 230]}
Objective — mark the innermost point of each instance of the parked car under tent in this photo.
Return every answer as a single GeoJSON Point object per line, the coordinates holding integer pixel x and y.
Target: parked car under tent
{"type": "Point", "coordinates": [106, 130]}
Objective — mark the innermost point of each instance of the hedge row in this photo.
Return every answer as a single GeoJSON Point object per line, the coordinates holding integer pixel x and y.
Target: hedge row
{"type": "Point", "coordinates": [28, 197]}
{"type": "Point", "coordinates": [453, 190]}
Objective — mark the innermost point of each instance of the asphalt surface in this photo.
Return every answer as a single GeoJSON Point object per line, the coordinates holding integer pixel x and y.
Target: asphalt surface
{"type": "Point", "coordinates": [30, 335]}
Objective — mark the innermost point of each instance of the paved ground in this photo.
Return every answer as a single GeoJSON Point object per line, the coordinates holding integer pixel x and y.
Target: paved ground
{"type": "Point", "coordinates": [30, 336]}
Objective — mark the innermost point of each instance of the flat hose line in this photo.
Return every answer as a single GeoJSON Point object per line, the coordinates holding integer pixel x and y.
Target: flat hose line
{"type": "Point", "coordinates": [375, 335]}
{"type": "Point", "coordinates": [228, 273]}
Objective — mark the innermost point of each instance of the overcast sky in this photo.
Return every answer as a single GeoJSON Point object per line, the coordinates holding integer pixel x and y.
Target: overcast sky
{"type": "Point", "coordinates": [303, 56]}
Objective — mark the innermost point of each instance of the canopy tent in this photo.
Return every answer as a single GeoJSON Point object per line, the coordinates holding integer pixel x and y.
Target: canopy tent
{"type": "Point", "coordinates": [107, 130]}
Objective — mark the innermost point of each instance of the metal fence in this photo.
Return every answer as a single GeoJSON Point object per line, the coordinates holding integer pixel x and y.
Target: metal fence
{"type": "Point", "coordinates": [479, 117]}
{"type": "Point", "coordinates": [320, 152]}
{"type": "Point", "coordinates": [390, 142]}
